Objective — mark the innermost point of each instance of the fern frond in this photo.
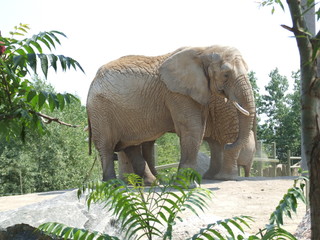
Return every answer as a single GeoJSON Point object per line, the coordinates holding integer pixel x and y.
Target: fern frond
{"type": "Point", "coordinates": [63, 231]}
{"type": "Point", "coordinates": [211, 232]}
{"type": "Point", "coordinates": [289, 202]}
{"type": "Point", "coordinates": [275, 232]}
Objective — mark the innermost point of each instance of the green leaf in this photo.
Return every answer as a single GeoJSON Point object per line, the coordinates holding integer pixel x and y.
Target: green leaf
{"type": "Point", "coordinates": [48, 38]}
{"type": "Point", "coordinates": [29, 49]}
{"type": "Point", "coordinates": [42, 99]}
{"type": "Point", "coordinates": [44, 64]}
{"type": "Point", "coordinates": [32, 62]}
{"type": "Point", "coordinates": [21, 52]}
{"type": "Point", "coordinates": [52, 35]}
{"type": "Point", "coordinates": [53, 61]}
{"type": "Point", "coordinates": [52, 102]}
{"type": "Point", "coordinates": [18, 61]}
{"type": "Point", "coordinates": [60, 33]}
{"type": "Point", "coordinates": [45, 43]}
{"type": "Point", "coordinates": [37, 45]}
{"type": "Point", "coordinates": [61, 101]}
{"type": "Point", "coordinates": [63, 62]}
{"type": "Point", "coordinates": [31, 95]}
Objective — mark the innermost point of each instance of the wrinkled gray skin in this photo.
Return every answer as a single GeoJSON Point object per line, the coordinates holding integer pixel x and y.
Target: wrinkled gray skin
{"type": "Point", "coordinates": [130, 161]}
{"type": "Point", "coordinates": [246, 155]}
{"type": "Point", "coordinates": [136, 99]}
{"type": "Point", "coordinates": [218, 153]}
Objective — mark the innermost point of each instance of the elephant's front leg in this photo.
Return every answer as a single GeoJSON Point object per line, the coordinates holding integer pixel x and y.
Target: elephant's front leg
{"type": "Point", "coordinates": [189, 149]}
{"type": "Point", "coordinates": [216, 159]}
{"type": "Point", "coordinates": [189, 118]}
{"type": "Point", "coordinates": [229, 169]}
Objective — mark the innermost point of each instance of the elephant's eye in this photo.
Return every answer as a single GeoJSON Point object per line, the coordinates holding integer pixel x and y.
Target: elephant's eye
{"type": "Point", "coordinates": [226, 76]}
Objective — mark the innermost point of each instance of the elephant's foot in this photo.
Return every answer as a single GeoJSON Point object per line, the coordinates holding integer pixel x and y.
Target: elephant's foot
{"type": "Point", "coordinates": [208, 175]}
{"type": "Point", "coordinates": [226, 176]}
{"type": "Point", "coordinates": [150, 180]}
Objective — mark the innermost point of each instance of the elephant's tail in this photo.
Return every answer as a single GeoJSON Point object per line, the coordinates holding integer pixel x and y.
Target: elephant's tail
{"type": "Point", "coordinates": [255, 129]}
{"type": "Point", "coordinates": [90, 137]}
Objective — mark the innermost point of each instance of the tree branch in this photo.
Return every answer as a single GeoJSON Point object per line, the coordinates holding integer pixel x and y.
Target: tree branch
{"type": "Point", "coordinates": [287, 28]}
{"type": "Point", "coordinates": [48, 119]}
{"type": "Point", "coordinates": [53, 119]}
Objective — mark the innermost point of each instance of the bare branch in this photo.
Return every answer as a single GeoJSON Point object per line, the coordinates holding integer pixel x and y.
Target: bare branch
{"type": "Point", "coordinates": [287, 28]}
{"type": "Point", "coordinates": [53, 119]}
{"type": "Point", "coordinates": [47, 119]}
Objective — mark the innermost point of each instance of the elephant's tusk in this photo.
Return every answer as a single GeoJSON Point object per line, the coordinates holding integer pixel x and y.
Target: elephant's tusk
{"type": "Point", "coordinates": [241, 109]}
{"type": "Point", "coordinates": [225, 100]}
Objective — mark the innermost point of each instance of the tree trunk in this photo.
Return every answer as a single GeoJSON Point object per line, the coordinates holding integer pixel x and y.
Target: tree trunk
{"type": "Point", "coordinates": [310, 97]}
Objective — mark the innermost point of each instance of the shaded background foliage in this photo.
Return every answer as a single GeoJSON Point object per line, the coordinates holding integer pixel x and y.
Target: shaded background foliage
{"type": "Point", "coordinates": [280, 110]}
{"type": "Point", "coordinates": [57, 160]}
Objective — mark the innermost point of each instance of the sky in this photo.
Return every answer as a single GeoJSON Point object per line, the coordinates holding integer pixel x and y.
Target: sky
{"type": "Point", "coordinates": [99, 31]}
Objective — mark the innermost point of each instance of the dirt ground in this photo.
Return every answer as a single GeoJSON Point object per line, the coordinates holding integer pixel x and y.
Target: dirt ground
{"type": "Point", "coordinates": [256, 197]}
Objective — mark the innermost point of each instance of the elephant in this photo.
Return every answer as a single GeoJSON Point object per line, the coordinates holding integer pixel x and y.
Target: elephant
{"type": "Point", "coordinates": [136, 99]}
{"type": "Point", "coordinates": [132, 158]}
{"type": "Point", "coordinates": [246, 155]}
{"type": "Point", "coordinates": [145, 150]}
{"type": "Point", "coordinates": [224, 161]}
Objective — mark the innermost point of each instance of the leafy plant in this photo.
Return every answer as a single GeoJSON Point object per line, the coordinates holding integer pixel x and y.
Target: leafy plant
{"type": "Point", "coordinates": [142, 212]}
{"type": "Point", "coordinates": [20, 102]}
{"type": "Point", "coordinates": [289, 202]}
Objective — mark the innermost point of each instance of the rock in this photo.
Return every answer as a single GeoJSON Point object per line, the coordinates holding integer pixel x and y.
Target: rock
{"type": "Point", "coordinates": [22, 232]}
{"type": "Point", "coordinates": [303, 231]}
{"type": "Point", "coordinates": [19, 224]}
{"type": "Point", "coordinates": [203, 163]}
{"type": "Point", "coordinates": [65, 209]}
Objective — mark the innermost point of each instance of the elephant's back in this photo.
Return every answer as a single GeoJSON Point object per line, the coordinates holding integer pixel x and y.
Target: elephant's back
{"type": "Point", "coordinates": [127, 75]}
{"type": "Point", "coordinates": [131, 98]}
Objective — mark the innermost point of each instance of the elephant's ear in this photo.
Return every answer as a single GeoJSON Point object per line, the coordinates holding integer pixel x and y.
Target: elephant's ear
{"type": "Point", "coordinates": [183, 73]}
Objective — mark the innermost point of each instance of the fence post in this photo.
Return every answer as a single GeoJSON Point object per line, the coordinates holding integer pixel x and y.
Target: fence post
{"type": "Point", "coordinates": [260, 170]}
{"type": "Point", "coordinates": [289, 162]}
{"type": "Point", "coordinates": [21, 185]}
{"type": "Point", "coordinates": [274, 150]}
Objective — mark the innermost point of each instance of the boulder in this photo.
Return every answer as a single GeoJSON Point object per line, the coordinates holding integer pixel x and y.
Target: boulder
{"type": "Point", "coordinates": [66, 209]}
{"type": "Point", "coordinates": [303, 231]}
{"type": "Point", "coordinates": [203, 162]}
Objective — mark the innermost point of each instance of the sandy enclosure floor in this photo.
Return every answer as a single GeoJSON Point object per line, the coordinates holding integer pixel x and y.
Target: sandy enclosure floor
{"type": "Point", "coordinates": [256, 197]}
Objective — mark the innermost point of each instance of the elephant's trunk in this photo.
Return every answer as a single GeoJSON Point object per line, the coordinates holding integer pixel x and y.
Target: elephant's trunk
{"type": "Point", "coordinates": [243, 96]}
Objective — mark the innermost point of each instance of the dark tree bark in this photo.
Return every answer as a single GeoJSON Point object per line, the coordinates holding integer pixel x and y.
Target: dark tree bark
{"type": "Point", "coordinates": [310, 107]}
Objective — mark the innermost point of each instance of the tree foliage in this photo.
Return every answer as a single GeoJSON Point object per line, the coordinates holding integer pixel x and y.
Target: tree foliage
{"type": "Point", "coordinates": [281, 109]}
{"type": "Point", "coordinates": [308, 47]}
{"type": "Point", "coordinates": [38, 164]}
{"type": "Point", "coordinates": [54, 161]}
{"type": "Point", "coordinates": [20, 103]}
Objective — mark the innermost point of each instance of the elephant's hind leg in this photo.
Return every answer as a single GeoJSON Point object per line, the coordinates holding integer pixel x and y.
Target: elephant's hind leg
{"type": "Point", "coordinates": [107, 163]}
{"type": "Point", "coordinates": [107, 158]}
{"type": "Point", "coordinates": [148, 155]}
{"type": "Point", "coordinates": [247, 169]}
{"type": "Point", "coordinates": [140, 166]}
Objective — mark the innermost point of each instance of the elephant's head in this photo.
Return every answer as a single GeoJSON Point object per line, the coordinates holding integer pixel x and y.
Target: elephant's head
{"type": "Point", "coordinates": [203, 73]}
